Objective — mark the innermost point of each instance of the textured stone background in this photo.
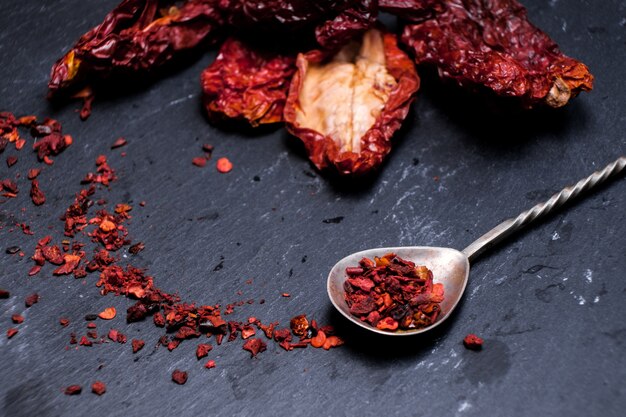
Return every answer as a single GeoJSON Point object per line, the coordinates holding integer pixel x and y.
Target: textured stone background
{"type": "Point", "coordinates": [550, 302]}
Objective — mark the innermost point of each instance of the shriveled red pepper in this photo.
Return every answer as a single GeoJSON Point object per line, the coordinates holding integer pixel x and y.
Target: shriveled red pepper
{"type": "Point", "coordinates": [493, 45]}
{"type": "Point", "coordinates": [138, 35]}
{"type": "Point", "coordinates": [247, 83]}
{"type": "Point", "coordinates": [345, 108]}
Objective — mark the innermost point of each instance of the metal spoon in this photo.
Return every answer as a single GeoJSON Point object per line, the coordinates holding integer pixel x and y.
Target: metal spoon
{"type": "Point", "coordinates": [450, 266]}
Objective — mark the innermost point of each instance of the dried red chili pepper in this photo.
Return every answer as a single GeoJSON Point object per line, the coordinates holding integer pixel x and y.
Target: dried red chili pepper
{"type": "Point", "coordinates": [473, 342]}
{"type": "Point", "coordinates": [138, 35]}
{"type": "Point", "coordinates": [73, 390]}
{"type": "Point", "coordinates": [247, 83]}
{"type": "Point", "coordinates": [346, 108]}
{"type": "Point", "coordinates": [348, 24]}
{"type": "Point", "coordinates": [493, 45]}
{"type": "Point", "coordinates": [98, 388]}
{"type": "Point", "coordinates": [180, 377]}
{"type": "Point", "coordinates": [392, 293]}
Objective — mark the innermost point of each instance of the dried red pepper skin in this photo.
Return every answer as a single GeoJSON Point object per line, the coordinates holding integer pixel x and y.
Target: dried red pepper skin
{"type": "Point", "coordinates": [347, 24]}
{"type": "Point", "coordinates": [494, 46]}
{"type": "Point", "coordinates": [134, 37]}
{"type": "Point", "coordinates": [376, 143]}
{"type": "Point", "coordinates": [247, 84]}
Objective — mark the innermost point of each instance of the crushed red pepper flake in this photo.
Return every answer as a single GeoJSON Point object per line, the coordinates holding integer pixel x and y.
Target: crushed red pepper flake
{"type": "Point", "coordinates": [180, 377]}
{"type": "Point", "coordinates": [473, 342]}
{"type": "Point", "coordinates": [119, 142]}
{"type": "Point", "coordinates": [137, 344]}
{"type": "Point", "coordinates": [31, 300]}
{"type": "Point", "coordinates": [17, 318]}
{"type": "Point", "coordinates": [98, 388]}
{"type": "Point", "coordinates": [36, 194]}
{"type": "Point", "coordinates": [108, 313]}
{"type": "Point", "coordinates": [202, 350]}
{"type": "Point", "coordinates": [210, 364]}
{"type": "Point", "coordinates": [64, 322]}
{"type": "Point", "coordinates": [392, 293]}
{"type": "Point", "coordinates": [11, 332]}
{"type": "Point", "coordinates": [224, 165]}
{"type": "Point", "coordinates": [199, 161]}
{"type": "Point", "coordinates": [33, 173]}
{"type": "Point", "coordinates": [73, 390]}
{"type": "Point", "coordinates": [254, 346]}
{"type": "Point", "coordinates": [4, 294]}
{"type": "Point", "coordinates": [11, 160]}
{"type": "Point", "coordinates": [85, 342]}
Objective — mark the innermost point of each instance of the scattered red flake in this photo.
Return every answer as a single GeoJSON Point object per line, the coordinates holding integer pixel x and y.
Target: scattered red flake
{"type": "Point", "coordinates": [108, 313]}
{"type": "Point", "coordinates": [73, 390]}
{"type": "Point", "coordinates": [50, 140]}
{"type": "Point", "coordinates": [4, 294]}
{"type": "Point", "coordinates": [203, 350]}
{"type": "Point", "coordinates": [33, 173]}
{"type": "Point", "coordinates": [180, 377]}
{"type": "Point", "coordinates": [210, 364]}
{"type": "Point", "coordinates": [85, 342]}
{"type": "Point", "coordinates": [138, 344]}
{"type": "Point", "coordinates": [70, 262]}
{"type": "Point", "coordinates": [136, 248]}
{"type": "Point", "coordinates": [224, 165]}
{"type": "Point", "coordinates": [199, 161]}
{"type": "Point", "coordinates": [159, 320]}
{"type": "Point", "coordinates": [11, 332]}
{"type": "Point", "coordinates": [318, 340]}
{"type": "Point", "coordinates": [473, 342]}
{"type": "Point", "coordinates": [286, 294]}
{"type": "Point", "coordinates": [87, 95]}
{"type": "Point", "coordinates": [10, 188]}
{"type": "Point", "coordinates": [98, 388]}
{"type": "Point", "coordinates": [123, 208]}
{"type": "Point", "coordinates": [64, 322]}
{"type": "Point", "coordinates": [92, 334]}
{"type": "Point", "coordinates": [254, 346]}
{"type": "Point", "coordinates": [332, 341]}
{"type": "Point", "coordinates": [299, 325]}
{"type": "Point", "coordinates": [247, 332]}
{"type": "Point", "coordinates": [25, 229]}
{"type": "Point", "coordinates": [17, 319]}
{"type": "Point", "coordinates": [119, 142]}
{"type": "Point", "coordinates": [31, 299]}
{"type": "Point", "coordinates": [104, 173]}
{"type": "Point", "coordinates": [91, 325]}
{"type": "Point", "coordinates": [142, 203]}
{"type": "Point", "coordinates": [11, 160]}
{"type": "Point", "coordinates": [207, 148]}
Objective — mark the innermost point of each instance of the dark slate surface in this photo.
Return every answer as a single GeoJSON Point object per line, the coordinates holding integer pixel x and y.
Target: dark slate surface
{"type": "Point", "coordinates": [550, 302]}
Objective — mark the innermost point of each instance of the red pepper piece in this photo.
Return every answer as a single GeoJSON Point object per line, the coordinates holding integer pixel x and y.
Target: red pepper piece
{"type": "Point", "coordinates": [345, 109]}
{"type": "Point", "coordinates": [210, 364]}
{"type": "Point", "coordinates": [245, 83]}
{"type": "Point", "coordinates": [137, 344]}
{"type": "Point", "coordinates": [254, 346]}
{"type": "Point", "coordinates": [138, 35]}
{"type": "Point", "coordinates": [203, 350]}
{"type": "Point", "coordinates": [17, 319]}
{"type": "Point", "coordinates": [4, 294]}
{"type": "Point", "coordinates": [11, 332]}
{"type": "Point", "coordinates": [493, 45]}
{"type": "Point", "coordinates": [473, 342]}
{"type": "Point", "coordinates": [31, 299]}
{"type": "Point", "coordinates": [98, 388]}
{"type": "Point", "coordinates": [180, 377]}
{"type": "Point", "coordinates": [73, 390]}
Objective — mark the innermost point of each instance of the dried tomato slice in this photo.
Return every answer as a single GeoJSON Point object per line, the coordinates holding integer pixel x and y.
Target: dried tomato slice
{"type": "Point", "coordinates": [136, 35]}
{"type": "Point", "coordinates": [345, 109]}
{"type": "Point", "coordinates": [492, 44]}
{"type": "Point", "coordinates": [246, 83]}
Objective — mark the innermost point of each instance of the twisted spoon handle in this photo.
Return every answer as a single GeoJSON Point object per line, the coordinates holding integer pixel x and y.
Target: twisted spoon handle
{"type": "Point", "coordinates": [509, 226]}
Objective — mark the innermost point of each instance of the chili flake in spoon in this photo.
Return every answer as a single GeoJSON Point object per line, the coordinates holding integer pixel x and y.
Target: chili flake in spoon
{"type": "Point", "coordinates": [392, 293]}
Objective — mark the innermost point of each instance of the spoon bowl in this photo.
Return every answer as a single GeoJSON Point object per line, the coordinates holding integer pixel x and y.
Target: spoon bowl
{"type": "Point", "coordinates": [451, 267]}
